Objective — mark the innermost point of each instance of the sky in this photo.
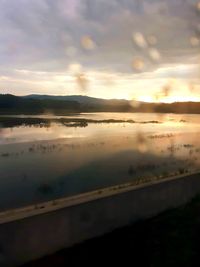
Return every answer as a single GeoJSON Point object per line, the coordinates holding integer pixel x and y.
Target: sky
{"type": "Point", "coordinates": [133, 49]}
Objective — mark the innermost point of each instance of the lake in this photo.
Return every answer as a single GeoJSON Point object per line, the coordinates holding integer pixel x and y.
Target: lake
{"type": "Point", "coordinates": [39, 162]}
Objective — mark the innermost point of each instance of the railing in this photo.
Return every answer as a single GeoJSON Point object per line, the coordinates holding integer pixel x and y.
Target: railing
{"type": "Point", "coordinates": [49, 206]}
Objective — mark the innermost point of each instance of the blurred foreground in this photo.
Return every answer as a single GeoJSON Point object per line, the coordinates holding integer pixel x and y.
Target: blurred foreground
{"type": "Point", "coordinates": [170, 239]}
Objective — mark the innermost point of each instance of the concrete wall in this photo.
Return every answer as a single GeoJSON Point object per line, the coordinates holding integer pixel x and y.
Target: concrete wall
{"type": "Point", "coordinates": [33, 237]}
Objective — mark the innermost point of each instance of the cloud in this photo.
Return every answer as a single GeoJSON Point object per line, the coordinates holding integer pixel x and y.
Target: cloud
{"type": "Point", "coordinates": [102, 83]}
{"type": "Point", "coordinates": [45, 35]}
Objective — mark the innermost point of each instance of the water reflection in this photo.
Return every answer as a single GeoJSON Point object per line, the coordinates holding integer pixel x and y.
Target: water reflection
{"type": "Point", "coordinates": [38, 164]}
{"type": "Point", "coordinates": [53, 130]}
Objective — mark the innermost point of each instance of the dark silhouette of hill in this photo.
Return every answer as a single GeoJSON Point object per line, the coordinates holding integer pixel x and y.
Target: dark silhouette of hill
{"type": "Point", "coordinates": [79, 98]}
{"type": "Point", "coordinates": [40, 104]}
{"type": "Point", "coordinates": [89, 103]}
{"type": "Point", "coordinates": [10, 104]}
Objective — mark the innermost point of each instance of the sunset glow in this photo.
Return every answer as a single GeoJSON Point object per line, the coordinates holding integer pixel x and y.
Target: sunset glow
{"type": "Point", "coordinates": [170, 99]}
{"type": "Point", "coordinates": [140, 62]}
{"type": "Point", "coordinates": [99, 131]}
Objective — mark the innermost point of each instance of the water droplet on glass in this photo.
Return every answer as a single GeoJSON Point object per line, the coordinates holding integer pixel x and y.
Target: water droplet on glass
{"type": "Point", "coordinates": [139, 40]}
{"type": "Point", "coordinates": [152, 40]}
{"type": "Point", "coordinates": [154, 54]}
{"type": "Point", "coordinates": [75, 68]}
{"type": "Point", "coordinates": [87, 43]}
{"type": "Point", "coordinates": [82, 81]}
{"type": "Point", "coordinates": [198, 6]}
{"type": "Point", "coordinates": [166, 90]}
{"type": "Point", "coordinates": [134, 103]}
{"type": "Point", "coordinates": [141, 143]}
{"type": "Point", "coordinates": [138, 64]}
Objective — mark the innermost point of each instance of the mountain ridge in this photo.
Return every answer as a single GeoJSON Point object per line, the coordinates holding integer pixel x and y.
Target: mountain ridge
{"type": "Point", "coordinates": [61, 105]}
{"type": "Point", "coordinates": [79, 98]}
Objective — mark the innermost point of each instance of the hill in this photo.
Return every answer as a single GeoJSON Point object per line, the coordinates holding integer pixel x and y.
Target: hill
{"type": "Point", "coordinates": [39, 104]}
{"type": "Point", "coordinates": [61, 105]}
{"type": "Point", "coordinates": [10, 104]}
{"type": "Point", "coordinates": [79, 98]}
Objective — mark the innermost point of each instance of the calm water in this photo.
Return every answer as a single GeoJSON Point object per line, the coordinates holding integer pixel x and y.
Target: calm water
{"type": "Point", "coordinates": [40, 163]}
{"type": "Point", "coordinates": [168, 122]}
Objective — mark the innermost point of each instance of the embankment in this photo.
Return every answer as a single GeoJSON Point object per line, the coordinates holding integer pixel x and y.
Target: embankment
{"type": "Point", "coordinates": [29, 233]}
